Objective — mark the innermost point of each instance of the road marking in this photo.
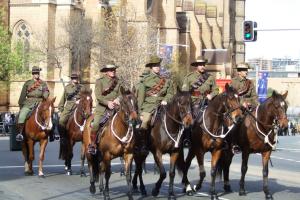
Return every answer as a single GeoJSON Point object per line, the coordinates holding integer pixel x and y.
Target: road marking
{"type": "Point", "coordinates": [288, 149]}
{"type": "Point", "coordinates": [280, 158]}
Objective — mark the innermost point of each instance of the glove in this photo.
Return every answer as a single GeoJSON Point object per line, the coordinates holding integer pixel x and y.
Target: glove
{"type": "Point", "coordinates": [163, 103]}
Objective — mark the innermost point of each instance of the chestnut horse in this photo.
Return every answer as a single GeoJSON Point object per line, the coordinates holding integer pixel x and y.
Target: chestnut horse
{"type": "Point", "coordinates": [74, 131]}
{"type": "Point", "coordinates": [37, 128]}
{"type": "Point", "coordinates": [117, 139]}
{"type": "Point", "coordinates": [208, 134]}
{"type": "Point", "coordinates": [165, 137]}
{"type": "Point", "coordinates": [256, 135]}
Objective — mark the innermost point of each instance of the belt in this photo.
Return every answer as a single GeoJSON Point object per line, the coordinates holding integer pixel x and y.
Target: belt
{"type": "Point", "coordinates": [153, 95]}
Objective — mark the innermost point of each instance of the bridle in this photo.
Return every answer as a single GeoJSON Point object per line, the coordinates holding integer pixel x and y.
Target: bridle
{"type": "Point", "coordinates": [43, 127]}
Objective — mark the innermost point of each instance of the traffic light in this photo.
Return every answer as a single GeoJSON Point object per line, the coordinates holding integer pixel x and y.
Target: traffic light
{"type": "Point", "coordinates": [249, 34]}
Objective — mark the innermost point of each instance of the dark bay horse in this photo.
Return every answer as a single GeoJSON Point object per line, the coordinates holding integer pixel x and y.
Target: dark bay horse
{"type": "Point", "coordinates": [74, 131]}
{"type": "Point", "coordinates": [116, 140]}
{"type": "Point", "coordinates": [256, 135]}
{"type": "Point", "coordinates": [208, 134]}
{"type": "Point", "coordinates": [37, 128]}
{"type": "Point", "coordinates": [165, 137]}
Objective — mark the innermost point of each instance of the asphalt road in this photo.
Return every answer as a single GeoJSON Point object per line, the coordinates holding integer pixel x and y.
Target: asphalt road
{"type": "Point", "coordinates": [284, 176]}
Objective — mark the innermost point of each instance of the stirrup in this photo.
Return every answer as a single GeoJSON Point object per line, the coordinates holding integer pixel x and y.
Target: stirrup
{"type": "Point", "coordinates": [187, 143]}
{"type": "Point", "coordinates": [236, 149]}
{"type": "Point", "coordinates": [19, 137]}
{"type": "Point", "coordinates": [56, 137]}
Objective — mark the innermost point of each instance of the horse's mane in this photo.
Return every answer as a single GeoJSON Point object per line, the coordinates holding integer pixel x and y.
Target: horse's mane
{"type": "Point", "coordinates": [186, 94]}
{"type": "Point", "coordinates": [220, 97]}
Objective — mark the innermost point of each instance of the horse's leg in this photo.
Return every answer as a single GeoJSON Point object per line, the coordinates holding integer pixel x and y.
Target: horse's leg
{"type": "Point", "coordinates": [30, 145]}
{"type": "Point", "coordinates": [162, 172]}
{"type": "Point", "coordinates": [128, 158]}
{"type": "Point", "coordinates": [107, 164]}
{"type": "Point", "coordinates": [138, 173]}
{"type": "Point", "coordinates": [43, 144]}
{"type": "Point", "coordinates": [226, 163]}
{"type": "Point", "coordinates": [187, 186]}
{"type": "Point", "coordinates": [69, 157]}
{"type": "Point", "coordinates": [214, 160]}
{"type": "Point", "coordinates": [25, 152]}
{"type": "Point", "coordinates": [91, 166]}
{"type": "Point", "coordinates": [122, 173]}
{"type": "Point", "coordinates": [173, 160]}
{"type": "Point", "coordinates": [265, 161]}
{"type": "Point", "coordinates": [82, 157]}
{"type": "Point", "coordinates": [200, 159]}
{"type": "Point", "coordinates": [244, 168]}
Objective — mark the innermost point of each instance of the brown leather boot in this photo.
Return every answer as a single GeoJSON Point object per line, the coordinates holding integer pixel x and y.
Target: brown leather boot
{"type": "Point", "coordinates": [19, 136]}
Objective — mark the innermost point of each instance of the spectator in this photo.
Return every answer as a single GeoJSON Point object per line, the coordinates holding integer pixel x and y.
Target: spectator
{"type": "Point", "coordinates": [7, 121]}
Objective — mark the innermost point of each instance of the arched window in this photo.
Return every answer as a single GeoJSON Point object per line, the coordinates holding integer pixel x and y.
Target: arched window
{"type": "Point", "coordinates": [22, 33]}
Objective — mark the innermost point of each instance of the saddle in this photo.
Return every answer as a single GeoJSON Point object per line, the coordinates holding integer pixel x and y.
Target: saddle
{"type": "Point", "coordinates": [198, 109]}
{"type": "Point", "coordinates": [156, 115]}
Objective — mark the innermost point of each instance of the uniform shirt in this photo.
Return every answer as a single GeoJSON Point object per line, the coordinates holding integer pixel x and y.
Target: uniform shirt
{"type": "Point", "coordinates": [149, 103]}
{"type": "Point", "coordinates": [208, 87]}
{"type": "Point", "coordinates": [250, 96]}
{"type": "Point", "coordinates": [30, 97]}
{"type": "Point", "coordinates": [102, 84]}
{"type": "Point", "coordinates": [70, 95]}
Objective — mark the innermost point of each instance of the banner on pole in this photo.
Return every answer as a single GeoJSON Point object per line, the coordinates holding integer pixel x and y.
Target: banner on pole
{"type": "Point", "coordinates": [262, 86]}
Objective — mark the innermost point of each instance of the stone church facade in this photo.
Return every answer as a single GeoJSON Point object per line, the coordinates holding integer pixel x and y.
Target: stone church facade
{"type": "Point", "coordinates": [212, 28]}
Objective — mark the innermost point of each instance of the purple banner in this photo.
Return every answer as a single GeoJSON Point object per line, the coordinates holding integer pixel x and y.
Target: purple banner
{"type": "Point", "coordinates": [262, 86]}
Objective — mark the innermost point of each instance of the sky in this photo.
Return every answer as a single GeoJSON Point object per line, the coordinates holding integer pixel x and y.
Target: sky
{"type": "Point", "coordinates": [274, 14]}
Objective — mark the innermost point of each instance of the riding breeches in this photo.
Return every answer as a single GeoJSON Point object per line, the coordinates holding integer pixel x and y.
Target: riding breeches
{"type": "Point", "coordinates": [23, 114]}
{"type": "Point", "coordinates": [64, 116]}
{"type": "Point", "coordinates": [146, 119]}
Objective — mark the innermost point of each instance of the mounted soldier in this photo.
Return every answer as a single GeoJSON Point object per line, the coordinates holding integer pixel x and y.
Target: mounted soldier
{"type": "Point", "coordinates": [203, 87]}
{"type": "Point", "coordinates": [155, 89]}
{"type": "Point", "coordinates": [33, 92]}
{"type": "Point", "coordinates": [67, 102]}
{"type": "Point", "coordinates": [107, 92]}
{"type": "Point", "coordinates": [247, 93]}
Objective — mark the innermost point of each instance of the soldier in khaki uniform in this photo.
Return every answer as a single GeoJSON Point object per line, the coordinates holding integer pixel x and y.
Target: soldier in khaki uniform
{"type": "Point", "coordinates": [246, 91]}
{"type": "Point", "coordinates": [107, 92]}
{"type": "Point", "coordinates": [68, 101]}
{"type": "Point", "coordinates": [33, 92]}
{"type": "Point", "coordinates": [203, 87]}
{"type": "Point", "coordinates": [154, 89]}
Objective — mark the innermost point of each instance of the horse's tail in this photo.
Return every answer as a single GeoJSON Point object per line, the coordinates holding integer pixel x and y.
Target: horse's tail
{"type": "Point", "coordinates": [63, 145]}
{"type": "Point", "coordinates": [180, 163]}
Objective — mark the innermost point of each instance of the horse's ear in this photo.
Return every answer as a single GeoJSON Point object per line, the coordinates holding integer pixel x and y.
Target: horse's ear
{"type": "Point", "coordinates": [274, 93]}
{"type": "Point", "coordinates": [133, 90]}
{"type": "Point", "coordinates": [122, 90]}
{"type": "Point", "coordinates": [284, 95]}
{"type": "Point", "coordinates": [53, 100]}
{"type": "Point", "coordinates": [227, 87]}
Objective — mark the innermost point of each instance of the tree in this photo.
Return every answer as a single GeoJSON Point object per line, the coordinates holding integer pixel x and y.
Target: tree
{"type": "Point", "coordinates": [126, 42]}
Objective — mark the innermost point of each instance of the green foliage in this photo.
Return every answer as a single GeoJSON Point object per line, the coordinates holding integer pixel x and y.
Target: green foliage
{"type": "Point", "coordinates": [11, 56]}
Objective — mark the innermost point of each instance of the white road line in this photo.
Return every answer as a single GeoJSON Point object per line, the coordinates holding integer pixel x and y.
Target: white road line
{"type": "Point", "coordinates": [281, 158]}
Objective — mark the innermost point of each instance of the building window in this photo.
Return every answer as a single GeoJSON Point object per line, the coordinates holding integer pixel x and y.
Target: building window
{"type": "Point", "coordinates": [22, 34]}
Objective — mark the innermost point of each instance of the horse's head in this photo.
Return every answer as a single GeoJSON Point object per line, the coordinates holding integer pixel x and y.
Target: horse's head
{"type": "Point", "coordinates": [44, 113]}
{"type": "Point", "coordinates": [129, 104]}
{"type": "Point", "coordinates": [183, 102]}
{"type": "Point", "coordinates": [278, 108]}
{"type": "Point", "coordinates": [85, 103]}
{"type": "Point", "coordinates": [230, 105]}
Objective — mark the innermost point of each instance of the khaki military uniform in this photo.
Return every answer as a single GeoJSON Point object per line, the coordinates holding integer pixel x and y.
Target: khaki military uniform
{"type": "Point", "coordinates": [68, 102]}
{"type": "Point", "coordinates": [33, 92]}
{"type": "Point", "coordinates": [200, 84]}
{"type": "Point", "coordinates": [153, 89]}
{"type": "Point", "coordinates": [246, 92]}
{"type": "Point", "coordinates": [106, 89]}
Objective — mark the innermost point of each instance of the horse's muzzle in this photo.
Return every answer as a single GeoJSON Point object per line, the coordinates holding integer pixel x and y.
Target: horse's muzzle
{"type": "Point", "coordinates": [188, 120]}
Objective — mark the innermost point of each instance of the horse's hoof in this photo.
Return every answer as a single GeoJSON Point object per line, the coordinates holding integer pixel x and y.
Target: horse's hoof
{"type": "Point", "coordinates": [129, 196]}
{"type": "Point", "coordinates": [42, 176]}
{"type": "Point", "coordinates": [106, 197]}
{"type": "Point", "coordinates": [227, 189]}
{"type": "Point", "coordinates": [214, 197]}
{"type": "Point", "coordinates": [190, 193]}
{"type": "Point", "coordinates": [135, 190]}
{"type": "Point", "coordinates": [196, 187]}
{"type": "Point", "coordinates": [172, 197]}
{"type": "Point", "coordinates": [92, 189]}
{"type": "Point", "coordinates": [143, 192]}
{"type": "Point", "coordinates": [82, 174]}
{"type": "Point", "coordinates": [155, 192]}
{"type": "Point", "coordinates": [242, 193]}
{"type": "Point", "coordinates": [269, 197]}
{"type": "Point", "coordinates": [69, 173]}
{"type": "Point", "coordinates": [28, 173]}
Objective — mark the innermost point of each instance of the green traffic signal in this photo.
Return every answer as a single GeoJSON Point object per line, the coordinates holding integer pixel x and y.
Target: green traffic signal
{"type": "Point", "coordinates": [248, 35]}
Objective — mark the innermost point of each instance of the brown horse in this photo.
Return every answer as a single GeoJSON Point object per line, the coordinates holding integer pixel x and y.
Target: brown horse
{"type": "Point", "coordinates": [37, 128]}
{"type": "Point", "coordinates": [208, 134]}
{"type": "Point", "coordinates": [256, 135]}
{"type": "Point", "coordinates": [165, 137]}
{"type": "Point", "coordinates": [74, 131]}
{"type": "Point", "coordinates": [116, 140]}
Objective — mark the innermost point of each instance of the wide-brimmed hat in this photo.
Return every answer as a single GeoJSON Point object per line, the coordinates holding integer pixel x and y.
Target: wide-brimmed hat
{"type": "Point", "coordinates": [243, 66]}
{"type": "Point", "coordinates": [36, 69]}
{"type": "Point", "coordinates": [199, 60]}
{"type": "Point", "coordinates": [108, 67]}
{"type": "Point", "coordinates": [74, 75]}
{"type": "Point", "coordinates": [153, 61]}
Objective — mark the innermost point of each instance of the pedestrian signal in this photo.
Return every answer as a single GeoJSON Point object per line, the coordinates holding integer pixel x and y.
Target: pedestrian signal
{"type": "Point", "coordinates": [249, 34]}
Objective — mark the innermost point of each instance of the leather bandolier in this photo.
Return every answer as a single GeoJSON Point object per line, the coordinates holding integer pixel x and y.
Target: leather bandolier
{"type": "Point", "coordinates": [245, 89]}
{"type": "Point", "coordinates": [72, 95]}
{"type": "Point", "coordinates": [156, 88]}
{"type": "Point", "coordinates": [108, 90]}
